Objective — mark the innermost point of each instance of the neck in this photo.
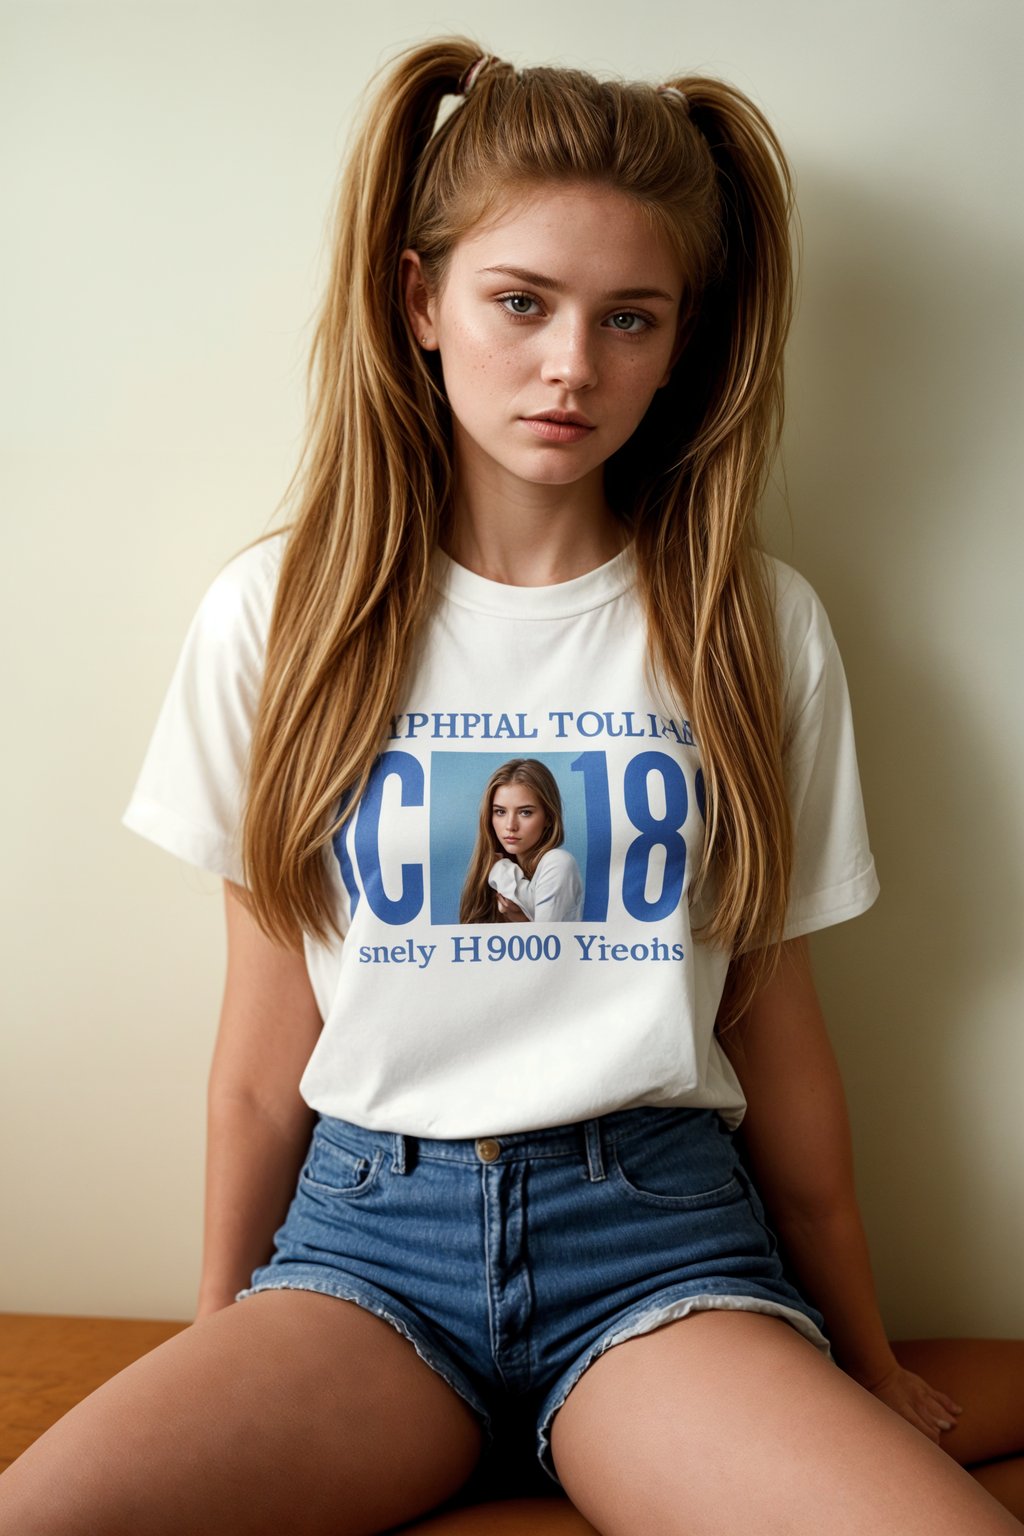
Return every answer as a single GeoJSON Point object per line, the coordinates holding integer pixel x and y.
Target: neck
{"type": "Point", "coordinates": [529, 535]}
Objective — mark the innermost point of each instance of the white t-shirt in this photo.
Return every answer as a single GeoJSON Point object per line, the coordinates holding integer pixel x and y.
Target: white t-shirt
{"type": "Point", "coordinates": [442, 1029]}
{"type": "Point", "coordinates": [555, 893]}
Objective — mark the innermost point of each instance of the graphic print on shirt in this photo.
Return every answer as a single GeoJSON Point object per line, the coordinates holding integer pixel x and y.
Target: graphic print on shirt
{"type": "Point", "coordinates": [477, 836]}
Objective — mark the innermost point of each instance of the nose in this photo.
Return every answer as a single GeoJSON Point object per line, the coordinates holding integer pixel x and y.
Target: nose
{"type": "Point", "coordinates": [569, 357]}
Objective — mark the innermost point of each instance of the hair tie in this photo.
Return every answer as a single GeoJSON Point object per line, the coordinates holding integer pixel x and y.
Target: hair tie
{"type": "Point", "coordinates": [673, 90]}
{"type": "Point", "coordinates": [472, 74]}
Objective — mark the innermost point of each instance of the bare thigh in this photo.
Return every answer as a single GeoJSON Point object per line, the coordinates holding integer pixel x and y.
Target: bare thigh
{"type": "Point", "coordinates": [729, 1422]}
{"type": "Point", "coordinates": [288, 1411]}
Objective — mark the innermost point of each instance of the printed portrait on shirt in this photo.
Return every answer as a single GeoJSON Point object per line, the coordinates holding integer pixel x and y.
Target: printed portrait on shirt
{"type": "Point", "coordinates": [521, 870]}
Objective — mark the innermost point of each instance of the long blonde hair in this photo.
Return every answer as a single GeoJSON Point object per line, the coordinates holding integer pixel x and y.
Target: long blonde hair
{"type": "Point", "coordinates": [479, 900]}
{"type": "Point", "coordinates": [374, 483]}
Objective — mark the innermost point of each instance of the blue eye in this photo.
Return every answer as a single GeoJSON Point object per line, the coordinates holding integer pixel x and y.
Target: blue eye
{"type": "Point", "coordinates": [507, 299]}
{"type": "Point", "coordinates": [629, 315]}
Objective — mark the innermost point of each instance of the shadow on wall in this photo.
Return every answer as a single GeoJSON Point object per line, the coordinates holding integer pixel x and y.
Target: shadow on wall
{"type": "Point", "coordinates": [900, 391]}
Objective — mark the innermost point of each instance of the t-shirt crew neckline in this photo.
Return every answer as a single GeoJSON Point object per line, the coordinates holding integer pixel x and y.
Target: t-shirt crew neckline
{"type": "Point", "coordinates": [561, 600]}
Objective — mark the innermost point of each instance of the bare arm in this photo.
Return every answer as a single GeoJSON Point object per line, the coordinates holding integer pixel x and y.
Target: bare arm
{"type": "Point", "coordinates": [258, 1127]}
{"type": "Point", "coordinates": [797, 1134]}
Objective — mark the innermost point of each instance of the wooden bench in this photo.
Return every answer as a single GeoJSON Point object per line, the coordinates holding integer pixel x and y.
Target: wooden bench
{"type": "Point", "coordinates": [48, 1364]}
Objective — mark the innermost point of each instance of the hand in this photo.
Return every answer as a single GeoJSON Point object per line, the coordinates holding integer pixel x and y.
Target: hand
{"type": "Point", "coordinates": [511, 911]}
{"type": "Point", "coordinates": [929, 1410]}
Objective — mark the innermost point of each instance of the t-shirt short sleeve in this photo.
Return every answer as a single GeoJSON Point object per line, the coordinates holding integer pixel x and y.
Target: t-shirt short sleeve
{"type": "Point", "coordinates": [188, 797]}
{"type": "Point", "coordinates": [834, 874]}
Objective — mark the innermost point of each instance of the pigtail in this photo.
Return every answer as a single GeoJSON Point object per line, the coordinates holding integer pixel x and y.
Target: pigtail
{"type": "Point", "coordinates": [699, 548]}
{"type": "Point", "coordinates": [376, 473]}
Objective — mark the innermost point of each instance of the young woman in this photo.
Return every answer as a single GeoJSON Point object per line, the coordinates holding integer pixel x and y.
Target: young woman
{"type": "Point", "coordinates": [520, 871]}
{"type": "Point", "coordinates": [547, 391]}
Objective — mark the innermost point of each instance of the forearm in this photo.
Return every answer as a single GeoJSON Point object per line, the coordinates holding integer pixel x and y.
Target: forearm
{"type": "Point", "coordinates": [258, 1126]}
{"type": "Point", "coordinates": [252, 1162]}
{"type": "Point", "coordinates": [829, 1256]}
{"type": "Point", "coordinates": [797, 1142]}
{"type": "Point", "coordinates": [797, 1139]}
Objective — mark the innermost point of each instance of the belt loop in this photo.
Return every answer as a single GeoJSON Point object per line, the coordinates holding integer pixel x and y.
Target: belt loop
{"type": "Point", "coordinates": [595, 1159]}
{"type": "Point", "coordinates": [398, 1154]}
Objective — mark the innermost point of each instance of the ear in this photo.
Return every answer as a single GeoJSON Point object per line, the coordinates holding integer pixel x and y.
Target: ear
{"type": "Point", "coordinates": [419, 305]}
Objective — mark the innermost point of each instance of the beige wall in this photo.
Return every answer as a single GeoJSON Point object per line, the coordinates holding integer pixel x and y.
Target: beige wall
{"type": "Point", "coordinates": [169, 170]}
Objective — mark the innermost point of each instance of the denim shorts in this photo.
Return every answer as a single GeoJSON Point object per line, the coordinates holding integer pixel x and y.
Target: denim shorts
{"type": "Point", "coordinates": [512, 1262]}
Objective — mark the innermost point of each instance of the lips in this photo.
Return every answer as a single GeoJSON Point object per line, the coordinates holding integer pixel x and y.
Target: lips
{"type": "Point", "coordinates": [566, 418]}
{"type": "Point", "coordinates": [551, 431]}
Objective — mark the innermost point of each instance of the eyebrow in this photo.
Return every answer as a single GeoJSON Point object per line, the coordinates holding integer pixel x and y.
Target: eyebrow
{"type": "Point", "coordinates": [523, 805]}
{"type": "Point", "coordinates": [556, 286]}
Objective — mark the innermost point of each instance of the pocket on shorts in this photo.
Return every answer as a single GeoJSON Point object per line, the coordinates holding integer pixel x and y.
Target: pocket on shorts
{"type": "Point", "coordinates": [680, 1162]}
{"type": "Point", "coordinates": [334, 1168]}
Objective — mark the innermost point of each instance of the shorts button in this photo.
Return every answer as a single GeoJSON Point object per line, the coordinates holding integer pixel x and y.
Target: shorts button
{"type": "Point", "coordinates": [487, 1149]}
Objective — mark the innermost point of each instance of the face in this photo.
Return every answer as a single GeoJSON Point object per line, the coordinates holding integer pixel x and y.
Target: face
{"type": "Point", "coordinates": [518, 818]}
{"type": "Point", "coordinates": [567, 304]}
